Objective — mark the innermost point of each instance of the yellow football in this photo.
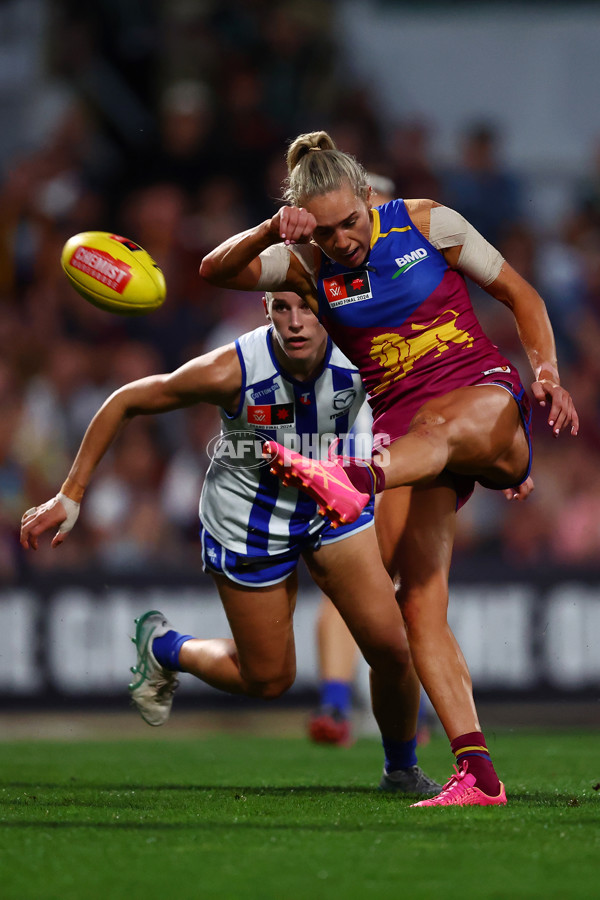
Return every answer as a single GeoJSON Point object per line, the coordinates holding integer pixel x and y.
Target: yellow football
{"type": "Point", "coordinates": [113, 273]}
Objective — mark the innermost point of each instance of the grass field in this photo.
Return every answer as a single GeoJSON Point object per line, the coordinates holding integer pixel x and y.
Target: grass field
{"type": "Point", "coordinates": [230, 817]}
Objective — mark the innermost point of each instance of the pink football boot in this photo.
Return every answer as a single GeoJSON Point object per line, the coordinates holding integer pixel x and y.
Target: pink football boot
{"type": "Point", "coordinates": [461, 791]}
{"type": "Point", "coordinates": [326, 482]}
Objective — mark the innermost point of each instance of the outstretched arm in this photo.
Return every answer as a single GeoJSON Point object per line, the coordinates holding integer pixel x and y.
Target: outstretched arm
{"type": "Point", "coordinates": [213, 378]}
{"type": "Point", "coordinates": [537, 337]}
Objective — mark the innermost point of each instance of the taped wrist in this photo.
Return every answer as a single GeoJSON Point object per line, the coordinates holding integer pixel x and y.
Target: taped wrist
{"type": "Point", "coordinates": [547, 367]}
{"type": "Point", "coordinates": [71, 508]}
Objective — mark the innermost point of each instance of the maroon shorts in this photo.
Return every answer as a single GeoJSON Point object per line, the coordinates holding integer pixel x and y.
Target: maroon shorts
{"type": "Point", "coordinates": [394, 422]}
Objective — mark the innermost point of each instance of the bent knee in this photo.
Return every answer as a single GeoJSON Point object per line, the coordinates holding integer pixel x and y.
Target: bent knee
{"type": "Point", "coordinates": [389, 656]}
{"type": "Point", "coordinates": [424, 610]}
{"type": "Point", "coordinates": [399, 658]}
{"type": "Point", "coordinates": [269, 690]}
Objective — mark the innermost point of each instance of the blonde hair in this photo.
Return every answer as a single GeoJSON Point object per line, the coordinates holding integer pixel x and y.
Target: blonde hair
{"type": "Point", "coordinates": [315, 166]}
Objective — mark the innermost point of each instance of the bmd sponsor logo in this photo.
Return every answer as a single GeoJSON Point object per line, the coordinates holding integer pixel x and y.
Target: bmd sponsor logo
{"type": "Point", "coordinates": [409, 260]}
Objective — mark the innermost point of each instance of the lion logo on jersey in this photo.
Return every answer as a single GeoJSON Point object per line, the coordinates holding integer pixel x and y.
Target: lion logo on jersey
{"type": "Point", "coordinates": [398, 354]}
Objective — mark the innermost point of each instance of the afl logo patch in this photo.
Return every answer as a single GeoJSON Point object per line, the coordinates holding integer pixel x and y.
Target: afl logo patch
{"type": "Point", "coordinates": [274, 415]}
{"type": "Point", "coordinates": [351, 287]}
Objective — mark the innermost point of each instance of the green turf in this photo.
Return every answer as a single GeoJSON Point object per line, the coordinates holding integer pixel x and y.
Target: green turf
{"type": "Point", "coordinates": [234, 818]}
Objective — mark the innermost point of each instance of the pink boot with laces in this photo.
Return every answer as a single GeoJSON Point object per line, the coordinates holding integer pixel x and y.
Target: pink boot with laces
{"type": "Point", "coordinates": [460, 790]}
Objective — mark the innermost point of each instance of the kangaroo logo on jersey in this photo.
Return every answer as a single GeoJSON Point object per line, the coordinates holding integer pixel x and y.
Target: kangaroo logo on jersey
{"type": "Point", "coordinates": [274, 415]}
{"type": "Point", "coordinates": [350, 287]}
{"type": "Point", "coordinates": [409, 260]}
{"type": "Point", "coordinates": [398, 354]}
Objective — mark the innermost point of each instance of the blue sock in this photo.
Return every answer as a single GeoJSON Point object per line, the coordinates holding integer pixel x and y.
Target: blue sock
{"type": "Point", "coordinates": [399, 754]}
{"type": "Point", "coordinates": [337, 694]}
{"type": "Point", "coordinates": [166, 649]}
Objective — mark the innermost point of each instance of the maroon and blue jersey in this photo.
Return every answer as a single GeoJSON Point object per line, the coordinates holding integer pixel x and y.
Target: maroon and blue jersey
{"type": "Point", "coordinates": [405, 319]}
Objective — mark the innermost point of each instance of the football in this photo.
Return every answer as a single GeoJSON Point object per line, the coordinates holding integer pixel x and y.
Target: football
{"type": "Point", "coordinates": [113, 273]}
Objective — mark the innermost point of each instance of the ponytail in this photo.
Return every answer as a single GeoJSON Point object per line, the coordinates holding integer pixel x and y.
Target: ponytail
{"type": "Point", "coordinates": [316, 166]}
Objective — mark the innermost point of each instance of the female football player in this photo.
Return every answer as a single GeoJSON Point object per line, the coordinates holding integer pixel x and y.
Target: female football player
{"type": "Point", "coordinates": [389, 286]}
{"type": "Point", "coordinates": [285, 382]}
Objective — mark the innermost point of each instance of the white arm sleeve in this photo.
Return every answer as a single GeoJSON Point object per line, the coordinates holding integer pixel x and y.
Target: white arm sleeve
{"type": "Point", "coordinates": [478, 259]}
{"type": "Point", "coordinates": [72, 511]}
{"type": "Point", "coordinates": [275, 262]}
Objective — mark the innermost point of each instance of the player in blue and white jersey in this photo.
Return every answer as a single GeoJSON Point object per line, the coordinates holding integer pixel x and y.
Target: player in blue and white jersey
{"type": "Point", "coordinates": [305, 409]}
{"type": "Point", "coordinates": [287, 382]}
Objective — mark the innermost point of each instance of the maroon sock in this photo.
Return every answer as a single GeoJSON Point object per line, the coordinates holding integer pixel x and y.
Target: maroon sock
{"type": "Point", "coordinates": [472, 749]}
{"type": "Point", "coordinates": [368, 478]}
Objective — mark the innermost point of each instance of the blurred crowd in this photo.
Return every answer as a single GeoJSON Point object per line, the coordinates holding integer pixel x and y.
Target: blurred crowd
{"type": "Point", "coordinates": [172, 129]}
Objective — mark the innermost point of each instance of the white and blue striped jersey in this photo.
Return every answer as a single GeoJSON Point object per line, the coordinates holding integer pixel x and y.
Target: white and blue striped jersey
{"type": "Point", "coordinates": [242, 504]}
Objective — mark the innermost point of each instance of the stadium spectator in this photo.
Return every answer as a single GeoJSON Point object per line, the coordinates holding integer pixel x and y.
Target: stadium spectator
{"type": "Point", "coordinates": [486, 192]}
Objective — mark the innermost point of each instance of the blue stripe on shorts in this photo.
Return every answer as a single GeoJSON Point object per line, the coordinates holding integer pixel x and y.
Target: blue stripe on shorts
{"type": "Point", "coordinates": [262, 571]}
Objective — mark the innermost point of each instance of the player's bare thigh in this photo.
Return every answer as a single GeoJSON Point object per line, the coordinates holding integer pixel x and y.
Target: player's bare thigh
{"type": "Point", "coordinates": [484, 432]}
{"type": "Point", "coordinates": [352, 574]}
{"type": "Point", "coordinates": [261, 622]}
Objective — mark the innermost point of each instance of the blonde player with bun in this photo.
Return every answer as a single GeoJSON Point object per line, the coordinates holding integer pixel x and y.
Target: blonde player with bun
{"type": "Point", "coordinates": [388, 284]}
{"type": "Point", "coordinates": [337, 653]}
{"type": "Point", "coordinates": [282, 380]}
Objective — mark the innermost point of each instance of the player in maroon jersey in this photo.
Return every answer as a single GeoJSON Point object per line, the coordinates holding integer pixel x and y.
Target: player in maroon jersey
{"type": "Point", "coordinates": [453, 408]}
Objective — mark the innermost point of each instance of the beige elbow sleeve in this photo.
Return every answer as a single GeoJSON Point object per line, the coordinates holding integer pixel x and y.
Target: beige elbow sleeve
{"type": "Point", "coordinates": [478, 259]}
{"type": "Point", "coordinates": [274, 262]}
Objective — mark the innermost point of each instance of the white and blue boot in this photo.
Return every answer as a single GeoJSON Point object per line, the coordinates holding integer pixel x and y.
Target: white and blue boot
{"type": "Point", "coordinates": [153, 687]}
